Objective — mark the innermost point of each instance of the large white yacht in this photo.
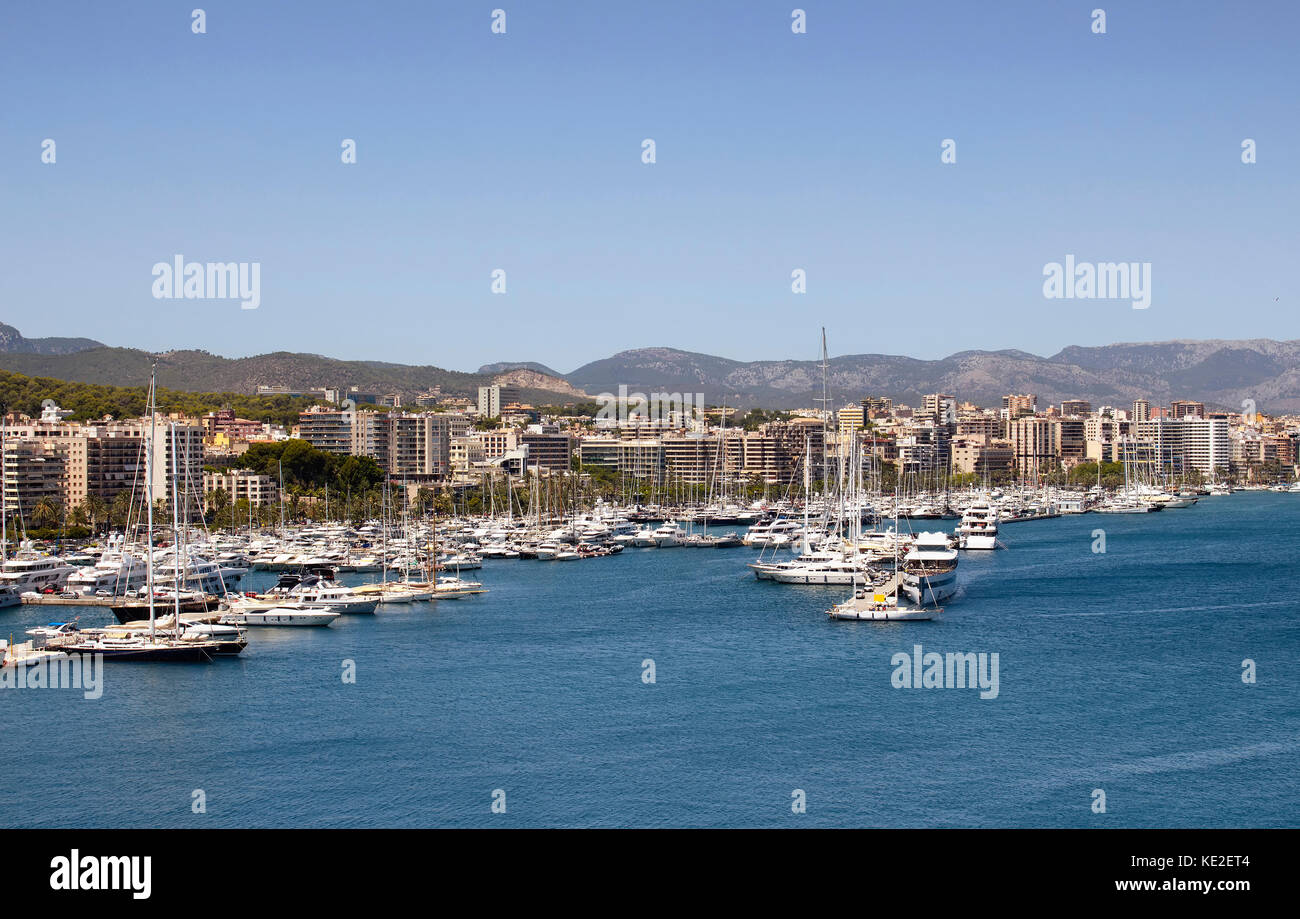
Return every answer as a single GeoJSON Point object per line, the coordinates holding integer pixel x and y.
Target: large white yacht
{"type": "Point", "coordinates": [30, 571]}
{"type": "Point", "coordinates": [116, 572]}
{"type": "Point", "coordinates": [669, 535]}
{"type": "Point", "coordinates": [930, 569]}
{"type": "Point", "coordinates": [821, 567]}
{"type": "Point", "coordinates": [979, 526]}
{"type": "Point", "coordinates": [199, 574]}
{"type": "Point", "coordinates": [776, 533]}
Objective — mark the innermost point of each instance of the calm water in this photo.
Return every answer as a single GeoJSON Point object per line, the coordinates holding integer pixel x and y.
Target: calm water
{"type": "Point", "coordinates": [1119, 671]}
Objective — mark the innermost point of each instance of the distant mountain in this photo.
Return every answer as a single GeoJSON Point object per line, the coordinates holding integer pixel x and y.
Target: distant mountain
{"type": "Point", "coordinates": [506, 366]}
{"type": "Point", "coordinates": [200, 371]}
{"type": "Point", "coordinates": [1220, 373]}
{"type": "Point", "coordinates": [13, 342]}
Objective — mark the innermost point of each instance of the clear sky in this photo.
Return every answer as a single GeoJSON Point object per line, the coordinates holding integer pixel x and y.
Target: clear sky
{"type": "Point", "coordinates": [522, 151]}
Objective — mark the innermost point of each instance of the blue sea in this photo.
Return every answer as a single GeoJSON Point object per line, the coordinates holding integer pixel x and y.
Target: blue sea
{"type": "Point", "coordinates": [1118, 671]}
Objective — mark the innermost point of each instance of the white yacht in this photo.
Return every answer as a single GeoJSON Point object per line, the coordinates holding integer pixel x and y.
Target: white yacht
{"type": "Point", "coordinates": [930, 569]}
{"type": "Point", "coordinates": [116, 572]}
{"type": "Point", "coordinates": [644, 539]}
{"type": "Point", "coordinates": [30, 571]}
{"type": "Point", "coordinates": [826, 568]}
{"type": "Point", "coordinates": [320, 593]}
{"type": "Point", "coordinates": [280, 616]}
{"type": "Point", "coordinates": [776, 533]}
{"type": "Point", "coordinates": [979, 526]}
{"type": "Point", "coordinates": [199, 574]}
{"type": "Point", "coordinates": [669, 535]}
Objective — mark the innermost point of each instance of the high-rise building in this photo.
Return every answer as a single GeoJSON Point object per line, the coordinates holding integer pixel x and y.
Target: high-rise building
{"type": "Point", "coordinates": [492, 399]}
{"type": "Point", "coordinates": [1017, 405]}
{"type": "Point", "coordinates": [1034, 444]}
{"type": "Point", "coordinates": [1190, 441]}
{"type": "Point", "coordinates": [877, 407]}
{"type": "Point", "coordinates": [1141, 410]}
{"type": "Point", "coordinates": [1183, 408]}
{"type": "Point", "coordinates": [327, 429]}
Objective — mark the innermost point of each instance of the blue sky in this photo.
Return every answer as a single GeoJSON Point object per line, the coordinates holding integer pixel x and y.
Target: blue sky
{"type": "Point", "coordinates": [522, 151]}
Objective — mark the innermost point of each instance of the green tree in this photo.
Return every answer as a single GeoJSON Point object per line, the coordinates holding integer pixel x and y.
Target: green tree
{"type": "Point", "coordinates": [46, 513]}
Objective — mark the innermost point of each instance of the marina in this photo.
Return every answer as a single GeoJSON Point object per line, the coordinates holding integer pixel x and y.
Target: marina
{"type": "Point", "coordinates": [509, 686]}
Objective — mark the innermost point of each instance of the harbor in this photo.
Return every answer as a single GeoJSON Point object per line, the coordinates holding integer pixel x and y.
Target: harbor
{"type": "Point", "coordinates": [537, 686]}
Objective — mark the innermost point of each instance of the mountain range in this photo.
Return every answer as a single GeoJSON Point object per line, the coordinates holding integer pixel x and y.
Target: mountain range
{"type": "Point", "coordinates": [1221, 373]}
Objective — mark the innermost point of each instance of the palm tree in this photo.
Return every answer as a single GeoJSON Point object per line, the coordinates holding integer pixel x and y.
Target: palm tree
{"type": "Point", "coordinates": [120, 509]}
{"type": "Point", "coordinates": [218, 502]}
{"type": "Point", "coordinates": [96, 510]}
{"type": "Point", "coordinates": [45, 513]}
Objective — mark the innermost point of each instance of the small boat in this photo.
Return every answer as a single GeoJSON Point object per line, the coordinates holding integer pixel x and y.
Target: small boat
{"type": "Point", "coordinates": [28, 654]}
{"type": "Point", "coordinates": [863, 606]}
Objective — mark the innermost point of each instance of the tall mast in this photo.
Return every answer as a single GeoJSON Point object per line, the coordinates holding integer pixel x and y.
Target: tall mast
{"type": "Point", "coordinates": [176, 535]}
{"type": "Point", "coordinates": [150, 407]}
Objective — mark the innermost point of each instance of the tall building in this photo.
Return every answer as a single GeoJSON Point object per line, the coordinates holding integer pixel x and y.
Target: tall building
{"type": "Point", "coordinates": [942, 408]}
{"type": "Point", "coordinates": [851, 418]}
{"type": "Point", "coordinates": [1183, 408]}
{"type": "Point", "coordinates": [33, 473]}
{"type": "Point", "coordinates": [1018, 405]}
{"type": "Point", "coordinates": [411, 445]}
{"type": "Point", "coordinates": [548, 450]}
{"type": "Point", "coordinates": [877, 407]}
{"type": "Point", "coordinates": [1071, 439]}
{"type": "Point", "coordinates": [492, 399]}
{"type": "Point", "coordinates": [1034, 444]}
{"type": "Point", "coordinates": [1190, 442]}
{"type": "Point", "coordinates": [327, 429]}
{"type": "Point", "coordinates": [1075, 407]}
{"type": "Point", "coordinates": [1141, 410]}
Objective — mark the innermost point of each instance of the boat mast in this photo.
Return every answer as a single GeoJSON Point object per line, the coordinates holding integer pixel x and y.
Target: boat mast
{"type": "Point", "coordinates": [148, 459]}
{"type": "Point", "coordinates": [176, 537]}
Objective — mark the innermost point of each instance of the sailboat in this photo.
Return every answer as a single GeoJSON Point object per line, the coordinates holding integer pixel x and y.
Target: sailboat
{"type": "Point", "coordinates": [150, 646]}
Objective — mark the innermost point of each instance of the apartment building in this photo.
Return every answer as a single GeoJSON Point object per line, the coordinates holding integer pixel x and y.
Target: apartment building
{"type": "Point", "coordinates": [1183, 408]}
{"type": "Point", "coordinates": [1014, 405]}
{"type": "Point", "coordinates": [548, 449]}
{"type": "Point", "coordinates": [414, 446]}
{"type": "Point", "coordinates": [1034, 444]}
{"type": "Point", "coordinates": [33, 472]}
{"type": "Point", "coordinates": [492, 399]}
{"type": "Point", "coordinates": [243, 485]}
{"type": "Point", "coordinates": [1195, 442]}
{"type": "Point", "coordinates": [327, 429]}
{"type": "Point", "coordinates": [102, 459]}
